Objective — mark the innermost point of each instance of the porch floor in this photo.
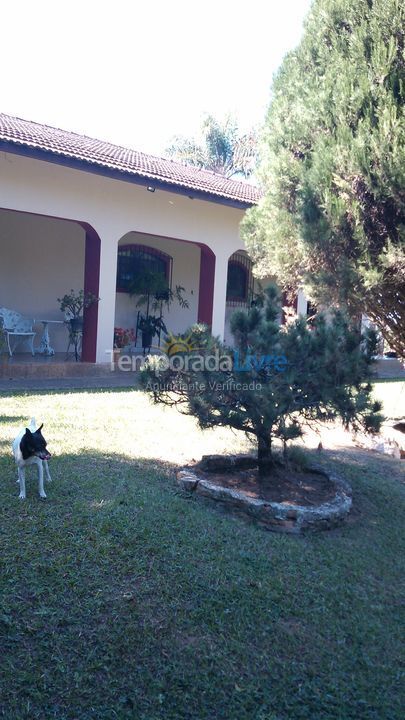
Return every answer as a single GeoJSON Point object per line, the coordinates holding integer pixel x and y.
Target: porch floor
{"type": "Point", "coordinates": [26, 357]}
{"type": "Point", "coordinates": [25, 372]}
{"type": "Point", "coordinates": [110, 382]}
{"type": "Point", "coordinates": [24, 365]}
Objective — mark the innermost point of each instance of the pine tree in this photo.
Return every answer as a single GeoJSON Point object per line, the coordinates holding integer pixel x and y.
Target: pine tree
{"type": "Point", "coordinates": [333, 165]}
{"type": "Point", "coordinates": [274, 380]}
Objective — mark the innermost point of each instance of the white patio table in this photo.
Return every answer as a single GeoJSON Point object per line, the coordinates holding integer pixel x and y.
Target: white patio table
{"type": "Point", "coordinates": [45, 347]}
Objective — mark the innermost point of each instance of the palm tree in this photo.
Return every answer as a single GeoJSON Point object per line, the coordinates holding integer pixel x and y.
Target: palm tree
{"type": "Point", "coordinates": [223, 151]}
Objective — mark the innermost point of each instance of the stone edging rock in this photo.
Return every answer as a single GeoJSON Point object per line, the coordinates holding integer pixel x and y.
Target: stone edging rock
{"type": "Point", "coordinates": [275, 516]}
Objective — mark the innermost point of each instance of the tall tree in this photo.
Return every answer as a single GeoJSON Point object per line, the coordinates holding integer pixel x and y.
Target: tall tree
{"type": "Point", "coordinates": [223, 150]}
{"type": "Point", "coordinates": [333, 165]}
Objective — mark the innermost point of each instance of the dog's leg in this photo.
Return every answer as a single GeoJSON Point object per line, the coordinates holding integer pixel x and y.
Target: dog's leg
{"type": "Point", "coordinates": [41, 480]}
{"type": "Point", "coordinates": [47, 473]}
{"type": "Point", "coordinates": [21, 477]}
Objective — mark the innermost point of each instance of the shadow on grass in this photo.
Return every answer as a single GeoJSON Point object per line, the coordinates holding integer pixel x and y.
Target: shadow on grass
{"type": "Point", "coordinates": [11, 419]}
{"type": "Point", "coordinates": [32, 391]}
{"type": "Point", "coordinates": [126, 593]}
{"type": "Point", "coordinates": [101, 477]}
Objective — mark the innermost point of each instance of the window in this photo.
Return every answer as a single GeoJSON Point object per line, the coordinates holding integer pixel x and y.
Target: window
{"type": "Point", "coordinates": [137, 260]}
{"type": "Point", "coordinates": [237, 283]}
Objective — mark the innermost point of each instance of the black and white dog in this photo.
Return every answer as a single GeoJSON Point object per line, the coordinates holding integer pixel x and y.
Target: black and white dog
{"type": "Point", "coordinates": [29, 448]}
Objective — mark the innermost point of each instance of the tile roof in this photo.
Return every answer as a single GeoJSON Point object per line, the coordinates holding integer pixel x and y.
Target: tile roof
{"type": "Point", "coordinates": [100, 156]}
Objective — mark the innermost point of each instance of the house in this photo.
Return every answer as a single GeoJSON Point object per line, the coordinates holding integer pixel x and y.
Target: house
{"type": "Point", "coordinates": [76, 212]}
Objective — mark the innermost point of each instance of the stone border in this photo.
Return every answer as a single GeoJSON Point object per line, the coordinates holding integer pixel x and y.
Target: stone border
{"type": "Point", "coordinates": [276, 516]}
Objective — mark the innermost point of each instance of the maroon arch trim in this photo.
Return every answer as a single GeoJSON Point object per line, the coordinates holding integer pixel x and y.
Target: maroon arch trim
{"type": "Point", "coordinates": [92, 285]}
{"type": "Point", "coordinates": [206, 289]}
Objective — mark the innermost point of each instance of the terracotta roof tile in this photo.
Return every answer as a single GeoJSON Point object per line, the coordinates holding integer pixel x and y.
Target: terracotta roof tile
{"type": "Point", "coordinates": [101, 154]}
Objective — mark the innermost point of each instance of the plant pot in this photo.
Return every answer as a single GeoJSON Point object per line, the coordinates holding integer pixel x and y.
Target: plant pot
{"type": "Point", "coordinates": [76, 324]}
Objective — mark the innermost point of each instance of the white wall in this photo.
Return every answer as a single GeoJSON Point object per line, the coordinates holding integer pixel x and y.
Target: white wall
{"type": "Point", "coordinates": [114, 208]}
{"type": "Point", "coordinates": [40, 260]}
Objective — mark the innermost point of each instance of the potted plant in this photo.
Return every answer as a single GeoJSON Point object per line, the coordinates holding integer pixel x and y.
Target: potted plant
{"type": "Point", "coordinates": [150, 325]}
{"type": "Point", "coordinates": [73, 304]}
{"type": "Point", "coordinates": [154, 292]}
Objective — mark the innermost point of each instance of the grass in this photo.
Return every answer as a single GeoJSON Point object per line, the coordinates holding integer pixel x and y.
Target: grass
{"type": "Point", "coordinates": [122, 598]}
{"type": "Point", "coordinates": [392, 395]}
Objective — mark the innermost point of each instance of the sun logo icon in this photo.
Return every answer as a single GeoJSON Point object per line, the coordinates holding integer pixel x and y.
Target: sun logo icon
{"type": "Point", "coordinates": [176, 344]}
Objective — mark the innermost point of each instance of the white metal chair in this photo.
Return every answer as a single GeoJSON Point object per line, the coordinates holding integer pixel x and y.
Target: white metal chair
{"type": "Point", "coordinates": [17, 329]}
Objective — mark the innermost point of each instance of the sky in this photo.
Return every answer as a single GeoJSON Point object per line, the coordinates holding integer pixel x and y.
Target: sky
{"type": "Point", "coordinates": [137, 73]}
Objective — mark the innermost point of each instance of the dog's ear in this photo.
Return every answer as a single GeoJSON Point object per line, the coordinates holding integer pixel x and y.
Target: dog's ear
{"type": "Point", "coordinates": [40, 428]}
{"type": "Point", "coordinates": [28, 432]}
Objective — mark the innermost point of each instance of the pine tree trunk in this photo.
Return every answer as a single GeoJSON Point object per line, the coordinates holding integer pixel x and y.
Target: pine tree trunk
{"type": "Point", "coordinates": [264, 456]}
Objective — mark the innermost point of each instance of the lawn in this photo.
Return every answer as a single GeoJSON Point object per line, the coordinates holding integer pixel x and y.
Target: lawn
{"type": "Point", "coordinates": [392, 395]}
{"type": "Point", "coordinates": [123, 598]}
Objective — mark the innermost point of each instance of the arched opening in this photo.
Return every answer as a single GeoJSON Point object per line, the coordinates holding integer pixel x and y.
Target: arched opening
{"type": "Point", "coordinates": [241, 287]}
{"type": "Point", "coordinates": [180, 264]}
{"type": "Point", "coordinates": [42, 258]}
{"type": "Point", "coordinates": [237, 282]}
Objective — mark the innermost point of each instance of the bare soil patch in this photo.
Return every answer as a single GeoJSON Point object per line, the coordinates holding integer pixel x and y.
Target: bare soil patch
{"type": "Point", "coordinates": [284, 485]}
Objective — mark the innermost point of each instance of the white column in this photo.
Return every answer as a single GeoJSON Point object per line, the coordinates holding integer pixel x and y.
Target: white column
{"type": "Point", "coordinates": [218, 312]}
{"type": "Point", "coordinates": [107, 293]}
{"type": "Point", "coordinates": [302, 303]}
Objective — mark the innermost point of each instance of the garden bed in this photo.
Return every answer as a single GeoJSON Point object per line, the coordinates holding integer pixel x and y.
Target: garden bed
{"type": "Point", "coordinates": [289, 501]}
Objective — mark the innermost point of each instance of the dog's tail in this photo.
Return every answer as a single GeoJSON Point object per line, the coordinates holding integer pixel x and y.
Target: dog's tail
{"type": "Point", "coordinates": [32, 425]}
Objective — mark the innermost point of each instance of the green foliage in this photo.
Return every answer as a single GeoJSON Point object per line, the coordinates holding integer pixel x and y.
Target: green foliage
{"type": "Point", "coordinates": [223, 150]}
{"type": "Point", "coordinates": [275, 380]}
{"type": "Point", "coordinates": [297, 457]}
{"type": "Point", "coordinates": [74, 303]}
{"type": "Point", "coordinates": [152, 325]}
{"type": "Point", "coordinates": [333, 165]}
{"type": "Point", "coordinates": [154, 292]}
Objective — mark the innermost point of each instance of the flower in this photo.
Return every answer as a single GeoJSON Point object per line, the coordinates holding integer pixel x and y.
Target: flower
{"type": "Point", "coordinates": [123, 337]}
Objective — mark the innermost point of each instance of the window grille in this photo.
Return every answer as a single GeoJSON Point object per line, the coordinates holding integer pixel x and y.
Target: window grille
{"type": "Point", "coordinates": [240, 286]}
{"type": "Point", "coordinates": [137, 260]}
